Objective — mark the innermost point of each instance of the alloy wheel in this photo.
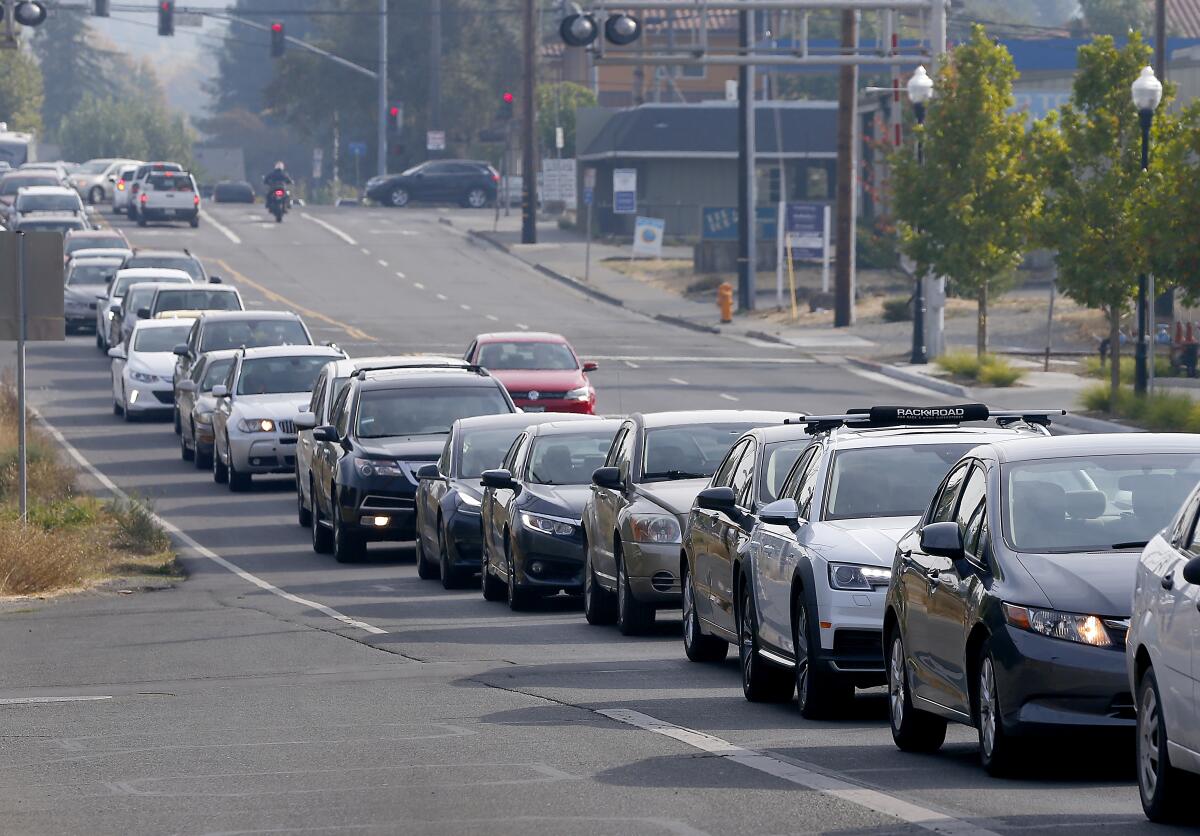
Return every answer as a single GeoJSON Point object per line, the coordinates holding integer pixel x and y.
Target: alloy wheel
{"type": "Point", "coordinates": [1149, 732]}
{"type": "Point", "coordinates": [987, 706]}
{"type": "Point", "coordinates": [896, 693]}
{"type": "Point", "coordinates": [802, 665]}
{"type": "Point", "coordinates": [476, 198]}
{"type": "Point", "coordinates": [746, 640]}
{"type": "Point", "coordinates": [689, 612]}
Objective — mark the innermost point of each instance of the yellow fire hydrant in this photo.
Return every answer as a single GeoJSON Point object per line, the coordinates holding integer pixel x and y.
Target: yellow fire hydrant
{"type": "Point", "coordinates": [725, 301]}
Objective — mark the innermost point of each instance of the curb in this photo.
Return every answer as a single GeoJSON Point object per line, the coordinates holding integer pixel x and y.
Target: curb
{"type": "Point", "coordinates": [768, 338]}
{"type": "Point", "coordinates": [687, 323]}
{"type": "Point", "coordinates": [888, 370]}
{"type": "Point", "coordinates": [445, 221]}
{"type": "Point", "coordinates": [578, 285]}
{"type": "Point", "coordinates": [1094, 425]}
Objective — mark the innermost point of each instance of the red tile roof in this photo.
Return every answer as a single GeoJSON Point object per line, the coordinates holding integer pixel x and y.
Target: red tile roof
{"type": "Point", "coordinates": [1183, 17]}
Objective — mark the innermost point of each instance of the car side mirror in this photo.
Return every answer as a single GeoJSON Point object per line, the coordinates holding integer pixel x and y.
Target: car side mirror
{"type": "Point", "coordinates": [143, 313]}
{"type": "Point", "coordinates": [117, 353]}
{"type": "Point", "coordinates": [500, 479]}
{"type": "Point", "coordinates": [1191, 571]}
{"type": "Point", "coordinates": [590, 365]}
{"type": "Point", "coordinates": [306, 421]}
{"type": "Point", "coordinates": [325, 433]}
{"type": "Point", "coordinates": [720, 498]}
{"type": "Point", "coordinates": [220, 391]}
{"type": "Point", "coordinates": [180, 350]}
{"type": "Point", "coordinates": [214, 280]}
{"type": "Point", "coordinates": [186, 385]}
{"type": "Point", "coordinates": [608, 477]}
{"type": "Point", "coordinates": [781, 512]}
{"type": "Point", "coordinates": [942, 539]}
{"type": "Point", "coordinates": [428, 471]}
{"type": "Point", "coordinates": [114, 309]}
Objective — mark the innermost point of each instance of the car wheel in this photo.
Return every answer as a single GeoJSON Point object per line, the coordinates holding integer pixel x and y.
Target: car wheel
{"type": "Point", "coordinates": [698, 646]}
{"type": "Point", "coordinates": [761, 681]}
{"type": "Point", "coordinates": [819, 692]}
{"type": "Point", "coordinates": [427, 570]}
{"type": "Point", "coordinates": [194, 222]}
{"type": "Point", "coordinates": [912, 730]}
{"type": "Point", "coordinates": [238, 482]}
{"type": "Point", "coordinates": [633, 616]}
{"type": "Point", "coordinates": [348, 546]}
{"type": "Point", "coordinates": [493, 589]}
{"type": "Point", "coordinates": [1164, 789]}
{"type": "Point", "coordinates": [220, 471]}
{"type": "Point", "coordinates": [178, 424]}
{"type": "Point", "coordinates": [398, 197]}
{"type": "Point", "coordinates": [303, 515]}
{"type": "Point", "coordinates": [476, 198]}
{"type": "Point", "coordinates": [998, 750]}
{"type": "Point", "coordinates": [322, 537]}
{"type": "Point", "coordinates": [451, 578]}
{"type": "Point", "coordinates": [186, 453]}
{"type": "Point", "coordinates": [96, 195]}
{"type": "Point", "coordinates": [598, 604]}
{"type": "Point", "coordinates": [518, 598]}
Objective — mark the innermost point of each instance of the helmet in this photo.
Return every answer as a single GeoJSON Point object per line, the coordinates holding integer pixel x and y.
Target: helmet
{"type": "Point", "coordinates": [279, 166]}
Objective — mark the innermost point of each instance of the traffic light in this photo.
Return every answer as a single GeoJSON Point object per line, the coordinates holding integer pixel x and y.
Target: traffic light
{"type": "Point", "coordinates": [506, 106]}
{"type": "Point", "coordinates": [166, 17]}
{"type": "Point", "coordinates": [277, 40]}
{"type": "Point", "coordinates": [396, 117]}
{"type": "Point", "coordinates": [25, 12]}
{"type": "Point", "coordinates": [100, 9]}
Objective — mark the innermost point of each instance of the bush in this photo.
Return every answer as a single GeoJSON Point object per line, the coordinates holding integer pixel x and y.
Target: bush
{"type": "Point", "coordinates": [960, 363]}
{"type": "Point", "coordinates": [1160, 412]}
{"type": "Point", "coordinates": [1000, 375]}
{"type": "Point", "coordinates": [898, 309]}
{"type": "Point", "coordinates": [137, 529]}
{"type": "Point", "coordinates": [989, 369]}
{"type": "Point", "coordinates": [1162, 368]}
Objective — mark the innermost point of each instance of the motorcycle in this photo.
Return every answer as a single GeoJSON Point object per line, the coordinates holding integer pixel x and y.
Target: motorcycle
{"type": "Point", "coordinates": [277, 202]}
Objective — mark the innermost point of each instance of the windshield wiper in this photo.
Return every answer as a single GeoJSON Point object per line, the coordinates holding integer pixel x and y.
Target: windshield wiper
{"type": "Point", "coordinates": [1132, 544]}
{"type": "Point", "coordinates": [675, 474]}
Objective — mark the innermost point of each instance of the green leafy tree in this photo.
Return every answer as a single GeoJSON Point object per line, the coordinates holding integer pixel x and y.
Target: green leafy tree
{"type": "Point", "coordinates": [72, 66]}
{"type": "Point", "coordinates": [141, 129]}
{"type": "Point", "coordinates": [1115, 17]}
{"type": "Point", "coordinates": [556, 106]}
{"type": "Point", "coordinates": [966, 212]}
{"type": "Point", "coordinates": [1167, 221]}
{"type": "Point", "coordinates": [20, 91]}
{"type": "Point", "coordinates": [1089, 158]}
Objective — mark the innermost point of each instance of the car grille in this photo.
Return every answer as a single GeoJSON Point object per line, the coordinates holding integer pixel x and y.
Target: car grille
{"type": "Point", "coordinates": [387, 503]}
{"type": "Point", "coordinates": [542, 395]}
{"type": "Point", "coordinates": [286, 426]}
{"type": "Point", "coordinates": [858, 643]}
{"type": "Point", "coordinates": [165, 397]}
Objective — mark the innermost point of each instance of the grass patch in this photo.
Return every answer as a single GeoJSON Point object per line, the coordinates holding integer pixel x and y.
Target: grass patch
{"type": "Point", "coordinates": [1092, 368]}
{"type": "Point", "coordinates": [1159, 412]}
{"type": "Point", "coordinates": [897, 309]}
{"type": "Point", "coordinates": [990, 369]}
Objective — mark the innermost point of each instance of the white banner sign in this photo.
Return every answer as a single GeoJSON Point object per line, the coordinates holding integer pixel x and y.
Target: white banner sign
{"type": "Point", "coordinates": [648, 237]}
{"type": "Point", "coordinates": [558, 181]}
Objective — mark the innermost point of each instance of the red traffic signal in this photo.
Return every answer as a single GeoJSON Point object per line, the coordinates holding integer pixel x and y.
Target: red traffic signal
{"type": "Point", "coordinates": [277, 40]}
{"type": "Point", "coordinates": [506, 106]}
{"type": "Point", "coordinates": [166, 17]}
{"type": "Point", "coordinates": [396, 117]}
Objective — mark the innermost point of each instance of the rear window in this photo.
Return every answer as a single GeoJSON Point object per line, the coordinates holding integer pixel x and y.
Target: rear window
{"type": "Point", "coordinates": [170, 182]}
{"type": "Point", "coordinates": [202, 299]}
{"type": "Point", "coordinates": [105, 243]}
{"type": "Point", "coordinates": [174, 262]}
{"type": "Point", "coordinates": [160, 339]}
{"type": "Point", "coordinates": [48, 203]}
{"type": "Point", "coordinates": [125, 281]}
{"type": "Point", "coordinates": [254, 333]}
{"type": "Point", "coordinates": [10, 185]}
{"type": "Point", "coordinates": [64, 226]}
{"type": "Point", "coordinates": [81, 274]}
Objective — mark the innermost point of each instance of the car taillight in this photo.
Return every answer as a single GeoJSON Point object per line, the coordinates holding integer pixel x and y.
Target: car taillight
{"type": "Point", "coordinates": [495, 178]}
{"type": "Point", "coordinates": [279, 192]}
{"type": "Point", "coordinates": [120, 185]}
{"type": "Point", "coordinates": [145, 197]}
{"type": "Point", "coordinates": [195, 200]}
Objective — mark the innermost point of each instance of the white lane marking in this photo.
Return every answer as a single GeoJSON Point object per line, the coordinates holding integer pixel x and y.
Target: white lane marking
{"type": "Point", "coordinates": [522, 326]}
{"type": "Point", "coordinates": [418, 286]}
{"type": "Point", "coordinates": [728, 397]}
{"type": "Point", "coordinates": [191, 542]}
{"type": "Point", "coordinates": [365, 251]}
{"type": "Point", "coordinates": [678, 380]}
{"type": "Point", "coordinates": [32, 700]}
{"type": "Point", "coordinates": [442, 296]}
{"type": "Point", "coordinates": [492, 317]}
{"type": "Point", "coordinates": [400, 275]}
{"type": "Point", "coordinates": [382, 263]}
{"type": "Point", "coordinates": [632, 364]}
{"type": "Point", "coordinates": [465, 307]}
{"type": "Point", "coordinates": [875, 800]}
{"type": "Point", "coordinates": [224, 230]}
{"type": "Point", "coordinates": [746, 361]}
{"type": "Point", "coordinates": [331, 228]}
{"type": "Point", "coordinates": [903, 385]}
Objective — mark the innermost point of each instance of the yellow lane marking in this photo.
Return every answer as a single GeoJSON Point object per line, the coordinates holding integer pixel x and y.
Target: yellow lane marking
{"type": "Point", "coordinates": [354, 333]}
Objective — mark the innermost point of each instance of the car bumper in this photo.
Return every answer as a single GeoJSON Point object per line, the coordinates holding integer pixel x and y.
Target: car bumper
{"type": "Point", "coordinates": [263, 453]}
{"type": "Point", "coordinates": [148, 397]}
{"type": "Point", "coordinates": [549, 561]}
{"type": "Point", "coordinates": [653, 570]}
{"type": "Point", "coordinates": [464, 547]}
{"type": "Point", "coordinates": [152, 214]}
{"type": "Point", "coordinates": [381, 509]}
{"type": "Point", "coordinates": [1050, 684]}
{"type": "Point", "coordinates": [587, 407]}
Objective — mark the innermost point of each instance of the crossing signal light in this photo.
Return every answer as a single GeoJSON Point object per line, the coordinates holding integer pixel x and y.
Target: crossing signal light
{"type": "Point", "coordinates": [166, 17]}
{"type": "Point", "coordinates": [506, 106]}
{"type": "Point", "coordinates": [100, 9]}
{"type": "Point", "coordinates": [277, 40]}
{"type": "Point", "coordinates": [396, 118]}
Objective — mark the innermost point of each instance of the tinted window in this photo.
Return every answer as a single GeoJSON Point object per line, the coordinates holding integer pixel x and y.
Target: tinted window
{"type": "Point", "coordinates": [123, 282]}
{"type": "Point", "coordinates": [483, 450]}
{"type": "Point", "coordinates": [614, 451]}
{"type": "Point", "coordinates": [806, 485]}
{"type": "Point", "coordinates": [277, 375]}
{"type": "Point", "coordinates": [254, 333]}
{"type": "Point", "coordinates": [49, 203]}
{"type": "Point", "coordinates": [169, 183]}
{"type": "Point", "coordinates": [216, 372]}
{"type": "Point", "coordinates": [138, 298]}
{"type": "Point", "coordinates": [943, 508]}
{"type": "Point", "coordinates": [64, 226]}
{"type": "Point", "coordinates": [91, 273]}
{"type": "Point", "coordinates": [777, 461]}
{"type": "Point", "coordinates": [742, 475]}
{"type": "Point", "coordinates": [888, 481]}
{"type": "Point", "coordinates": [160, 339]}
{"type": "Point", "coordinates": [687, 452]}
{"type": "Point", "coordinates": [10, 185]}
{"type": "Point", "coordinates": [724, 473]}
{"type": "Point", "coordinates": [175, 262]}
{"type": "Point", "coordinates": [383, 413]}
{"type": "Point", "coordinates": [567, 459]}
{"type": "Point", "coordinates": [202, 299]}
{"type": "Point", "coordinates": [106, 242]}
{"type": "Point", "coordinates": [526, 355]}
{"type": "Point", "coordinates": [972, 495]}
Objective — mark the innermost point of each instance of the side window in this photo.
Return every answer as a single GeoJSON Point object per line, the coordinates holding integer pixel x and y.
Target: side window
{"type": "Point", "coordinates": [743, 475]}
{"type": "Point", "coordinates": [972, 495]}
{"type": "Point", "coordinates": [614, 451]}
{"type": "Point", "coordinates": [1192, 535]}
{"type": "Point", "coordinates": [724, 474]}
{"type": "Point", "coordinates": [198, 372]}
{"type": "Point", "coordinates": [510, 458]}
{"type": "Point", "coordinates": [343, 416]}
{"type": "Point", "coordinates": [194, 336]}
{"type": "Point", "coordinates": [232, 376]}
{"type": "Point", "coordinates": [443, 462]}
{"type": "Point", "coordinates": [943, 506]}
{"type": "Point", "coordinates": [975, 535]}
{"type": "Point", "coordinates": [807, 485]}
{"type": "Point", "coordinates": [470, 352]}
{"type": "Point", "coordinates": [793, 478]}
{"type": "Point", "coordinates": [625, 451]}
{"type": "Point", "coordinates": [318, 393]}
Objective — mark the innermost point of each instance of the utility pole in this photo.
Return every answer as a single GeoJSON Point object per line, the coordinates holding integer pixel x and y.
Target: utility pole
{"type": "Point", "coordinates": [1160, 39]}
{"type": "Point", "coordinates": [747, 259]}
{"type": "Point", "coordinates": [528, 140]}
{"type": "Point", "coordinates": [381, 107]}
{"type": "Point", "coordinates": [847, 176]}
{"type": "Point", "coordinates": [435, 65]}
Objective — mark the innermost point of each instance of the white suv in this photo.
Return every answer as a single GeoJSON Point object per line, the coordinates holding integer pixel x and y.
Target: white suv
{"type": "Point", "coordinates": [1163, 657]}
{"type": "Point", "coordinates": [170, 196]}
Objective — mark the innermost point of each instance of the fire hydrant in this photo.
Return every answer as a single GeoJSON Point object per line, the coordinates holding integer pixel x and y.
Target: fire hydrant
{"type": "Point", "coordinates": [725, 301]}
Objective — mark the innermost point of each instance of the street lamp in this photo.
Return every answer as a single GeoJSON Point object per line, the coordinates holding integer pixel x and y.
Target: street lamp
{"type": "Point", "coordinates": [920, 91]}
{"type": "Point", "coordinates": [1147, 93]}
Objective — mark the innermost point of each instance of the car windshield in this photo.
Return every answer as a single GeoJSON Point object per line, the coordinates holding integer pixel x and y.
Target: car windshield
{"type": "Point", "coordinates": [202, 299]}
{"type": "Point", "coordinates": [484, 449]}
{"type": "Point", "coordinates": [48, 203]}
{"type": "Point", "coordinates": [64, 226]}
{"type": "Point", "coordinates": [253, 333]}
{"type": "Point", "coordinates": [123, 282]}
{"type": "Point", "coordinates": [526, 355]}
{"type": "Point", "coordinates": [568, 459]}
{"type": "Point", "coordinates": [138, 298]}
{"type": "Point", "coordinates": [409, 171]}
{"type": "Point", "coordinates": [279, 375]}
{"type": "Point", "coordinates": [777, 462]}
{"type": "Point", "coordinates": [92, 272]}
{"type": "Point", "coordinates": [688, 452]}
{"type": "Point", "coordinates": [160, 339]}
{"type": "Point", "coordinates": [893, 481]}
{"type": "Point", "coordinates": [216, 373]}
{"type": "Point", "coordinates": [10, 185]}
{"type": "Point", "coordinates": [1094, 503]}
{"type": "Point", "coordinates": [424, 411]}
{"type": "Point", "coordinates": [94, 167]}
{"type": "Point", "coordinates": [174, 262]}
{"type": "Point", "coordinates": [101, 242]}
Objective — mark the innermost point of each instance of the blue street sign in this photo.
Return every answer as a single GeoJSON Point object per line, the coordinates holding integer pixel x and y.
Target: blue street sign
{"type": "Point", "coordinates": [806, 229]}
{"type": "Point", "coordinates": [357, 149]}
{"type": "Point", "coordinates": [625, 191]}
{"type": "Point", "coordinates": [588, 193]}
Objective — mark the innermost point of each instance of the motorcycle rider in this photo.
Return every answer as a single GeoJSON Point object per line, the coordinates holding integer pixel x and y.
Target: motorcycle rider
{"type": "Point", "coordinates": [278, 178]}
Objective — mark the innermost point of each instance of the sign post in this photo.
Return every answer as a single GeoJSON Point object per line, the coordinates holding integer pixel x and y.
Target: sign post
{"type": "Point", "coordinates": [589, 193]}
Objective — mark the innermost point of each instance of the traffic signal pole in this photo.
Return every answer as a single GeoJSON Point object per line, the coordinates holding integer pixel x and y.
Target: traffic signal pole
{"type": "Point", "coordinates": [528, 135]}
{"type": "Point", "coordinates": [381, 109]}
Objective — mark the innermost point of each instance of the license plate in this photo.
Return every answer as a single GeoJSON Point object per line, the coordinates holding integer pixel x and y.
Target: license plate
{"type": "Point", "coordinates": [171, 212]}
{"type": "Point", "coordinates": [533, 408]}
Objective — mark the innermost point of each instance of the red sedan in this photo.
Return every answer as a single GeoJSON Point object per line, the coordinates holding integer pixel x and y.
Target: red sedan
{"type": "Point", "coordinates": [541, 371]}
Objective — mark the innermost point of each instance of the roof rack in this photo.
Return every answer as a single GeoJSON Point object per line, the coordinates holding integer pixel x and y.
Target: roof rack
{"type": "Point", "coordinates": [876, 417]}
{"type": "Point", "coordinates": [363, 371]}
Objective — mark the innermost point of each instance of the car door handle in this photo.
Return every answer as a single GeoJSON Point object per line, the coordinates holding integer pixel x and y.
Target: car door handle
{"type": "Point", "coordinates": [933, 575]}
{"type": "Point", "coordinates": [1168, 580]}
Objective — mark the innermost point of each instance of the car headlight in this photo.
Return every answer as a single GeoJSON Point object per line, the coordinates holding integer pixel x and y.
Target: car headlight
{"type": "Point", "coordinates": [142, 377]}
{"type": "Point", "coordinates": [548, 525]}
{"type": "Point", "coordinates": [655, 528]}
{"type": "Point", "coordinates": [580, 394]}
{"type": "Point", "coordinates": [853, 576]}
{"type": "Point", "coordinates": [378, 467]}
{"type": "Point", "coordinates": [468, 500]}
{"type": "Point", "coordinates": [256, 425]}
{"type": "Point", "coordinates": [203, 417]}
{"type": "Point", "coordinates": [1072, 627]}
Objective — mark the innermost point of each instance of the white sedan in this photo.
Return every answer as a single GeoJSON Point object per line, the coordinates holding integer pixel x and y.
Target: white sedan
{"type": "Point", "coordinates": [143, 366]}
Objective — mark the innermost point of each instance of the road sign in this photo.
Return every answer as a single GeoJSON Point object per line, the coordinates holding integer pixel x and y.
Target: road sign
{"type": "Point", "coordinates": [558, 181]}
{"type": "Point", "coordinates": [43, 287]}
{"type": "Point", "coordinates": [625, 191]}
{"type": "Point", "coordinates": [806, 229]}
{"type": "Point", "coordinates": [357, 149]}
{"type": "Point", "coordinates": [435, 140]}
{"type": "Point", "coordinates": [588, 195]}
{"type": "Point", "coordinates": [647, 237]}
{"type": "Point", "coordinates": [318, 159]}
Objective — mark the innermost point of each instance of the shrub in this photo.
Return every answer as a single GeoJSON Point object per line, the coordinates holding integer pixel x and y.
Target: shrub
{"type": "Point", "coordinates": [1162, 411]}
{"type": "Point", "coordinates": [960, 363]}
{"type": "Point", "coordinates": [137, 529]}
{"type": "Point", "coordinates": [999, 374]}
{"type": "Point", "coordinates": [898, 309]}
{"type": "Point", "coordinates": [33, 559]}
{"type": "Point", "coordinates": [989, 370]}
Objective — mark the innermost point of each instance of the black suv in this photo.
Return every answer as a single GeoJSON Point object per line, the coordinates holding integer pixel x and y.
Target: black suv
{"type": "Point", "coordinates": [468, 182]}
{"type": "Point", "coordinates": [385, 425]}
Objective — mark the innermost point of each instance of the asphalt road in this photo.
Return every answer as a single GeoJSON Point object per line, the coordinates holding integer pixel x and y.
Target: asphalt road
{"type": "Point", "coordinates": [277, 691]}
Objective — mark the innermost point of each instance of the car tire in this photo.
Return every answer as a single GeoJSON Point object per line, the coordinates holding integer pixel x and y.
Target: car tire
{"type": "Point", "coordinates": [178, 424]}
{"type": "Point", "coordinates": [220, 471]}
{"type": "Point", "coordinates": [202, 460]}
{"type": "Point", "coordinates": [912, 730]}
{"type": "Point", "coordinates": [475, 198]}
{"type": "Point", "coordinates": [238, 482]}
{"type": "Point", "coordinates": [186, 453]}
{"type": "Point", "coordinates": [303, 515]}
{"type": "Point", "coordinates": [493, 589]}
{"type": "Point", "coordinates": [348, 546]}
{"type": "Point", "coordinates": [761, 681]}
{"type": "Point", "coordinates": [999, 751]}
{"type": "Point", "coordinates": [518, 599]}
{"type": "Point", "coordinates": [427, 570]}
{"type": "Point", "coordinates": [398, 197]}
{"type": "Point", "coordinates": [451, 578]}
{"type": "Point", "coordinates": [129, 417]}
{"type": "Point", "coordinates": [698, 646]}
{"type": "Point", "coordinates": [1165, 791]}
{"type": "Point", "coordinates": [96, 195]}
{"type": "Point", "coordinates": [634, 617]}
{"type": "Point", "coordinates": [599, 605]}
{"type": "Point", "coordinates": [820, 693]}
{"type": "Point", "coordinates": [141, 219]}
{"type": "Point", "coordinates": [194, 222]}
{"type": "Point", "coordinates": [322, 537]}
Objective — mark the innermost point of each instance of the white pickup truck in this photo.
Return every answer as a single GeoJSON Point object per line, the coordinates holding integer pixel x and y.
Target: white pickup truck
{"type": "Point", "coordinates": [168, 196]}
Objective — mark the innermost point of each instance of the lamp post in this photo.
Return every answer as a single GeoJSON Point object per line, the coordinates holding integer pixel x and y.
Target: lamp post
{"type": "Point", "coordinates": [920, 90]}
{"type": "Point", "coordinates": [1147, 93]}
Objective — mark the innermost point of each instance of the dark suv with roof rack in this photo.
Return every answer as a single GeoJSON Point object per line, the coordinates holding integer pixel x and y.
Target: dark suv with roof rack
{"type": "Point", "coordinates": [385, 424]}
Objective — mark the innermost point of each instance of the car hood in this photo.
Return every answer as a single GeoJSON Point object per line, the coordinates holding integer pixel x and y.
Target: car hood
{"type": "Point", "coordinates": [419, 448]}
{"type": "Point", "coordinates": [161, 363]}
{"type": "Point", "coordinates": [85, 292]}
{"type": "Point", "coordinates": [676, 497]}
{"type": "Point", "coordinates": [1095, 583]}
{"type": "Point", "coordinates": [869, 541]}
{"type": "Point", "coordinates": [557, 500]}
{"type": "Point", "coordinates": [523, 380]}
{"type": "Point", "coordinates": [271, 406]}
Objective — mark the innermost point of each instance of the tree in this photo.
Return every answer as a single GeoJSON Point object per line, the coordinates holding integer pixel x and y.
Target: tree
{"type": "Point", "coordinates": [141, 129]}
{"type": "Point", "coordinates": [556, 106]}
{"type": "Point", "coordinates": [1167, 223]}
{"type": "Point", "coordinates": [72, 67]}
{"type": "Point", "coordinates": [966, 212]}
{"type": "Point", "coordinates": [20, 91]}
{"type": "Point", "coordinates": [1115, 17]}
{"type": "Point", "coordinates": [1089, 158]}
